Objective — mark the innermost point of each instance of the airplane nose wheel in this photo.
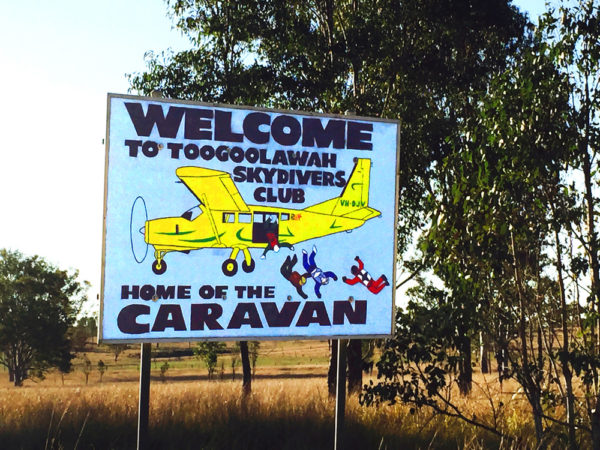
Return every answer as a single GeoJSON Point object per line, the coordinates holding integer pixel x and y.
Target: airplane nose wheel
{"type": "Point", "coordinates": [230, 267]}
{"type": "Point", "coordinates": [159, 267]}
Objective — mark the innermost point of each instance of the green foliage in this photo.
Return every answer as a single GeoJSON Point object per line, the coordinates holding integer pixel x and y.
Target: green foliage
{"type": "Point", "coordinates": [499, 196]}
{"type": "Point", "coordinates": [497, 116]}
{"type": "Point", "coordinates": [208, 352]}
{"type": "Point", "coordinates": [38, 305]}
{"type": "Point", "coordinates": [81, 333]}
{"type": "Point", "coordinates": [418, 61]}
{"type": "Point", "coordinates": [163, 371]}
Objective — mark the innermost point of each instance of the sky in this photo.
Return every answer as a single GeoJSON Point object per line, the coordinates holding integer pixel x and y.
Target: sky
{"type": "Point", "coordinates": [58, 61]}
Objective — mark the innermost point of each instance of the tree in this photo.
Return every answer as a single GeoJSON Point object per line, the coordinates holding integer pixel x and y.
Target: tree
{"type": "Point", "coordinates": [253, 350]}
{"type": "Point", "coordinates": [498, 209]}
{"type": "Point", "coordinates": [234, 363]}
{"type": "Point", "coordinates": [101, 369]}
{"type": "Point", "coordinates": [85, 329]}
{"type": "Point", "coordinates": [117, 349]}
{"type": "Point", "coordinates": [208, 351]}
{"type": "Point", "coordinates": [86, 368]}
{"type": "Point", "coordinates": [420, 61]}
{"type": "Point", "coordinates": [573, 33]}
{"type": "Point", "coordinates": [163, 371]}
{"type": "Point", "coordinates": [38, 305]}
{"type": "Point", "coordinates": [246, 371]}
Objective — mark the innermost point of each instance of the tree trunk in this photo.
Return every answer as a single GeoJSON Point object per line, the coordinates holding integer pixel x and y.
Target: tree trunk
{"type": "Point", "coordinates": [246, 370]}
{"type": "Point", "coordinates": [537, 420]}
{"type": "Point", "coordinates": [484, 354]}
{"type": "Point", "coordinates": [528, 383]}
{"type": "Point", "coordinates": [332, 372]}
{"type": "Point", "coordinates": [465, 376]}
{"type": "Point", "coordinates": [570, 400]}
{"type": "Point", "coordinates": [18, 376]}
{"type": "Point", "coordinates": [596, 426]}
{"type": "Point", "coordinates": [355, 364]}
{"type": "Point", "coordinates": [593, 247]}
{"type": "Point", "coordinates": [501, 352]}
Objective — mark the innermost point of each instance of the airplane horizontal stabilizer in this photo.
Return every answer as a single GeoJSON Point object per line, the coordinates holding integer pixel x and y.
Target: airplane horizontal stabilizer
{"type": "Point", "coordinates": [362, 213]}
{"type": "Point", "coordinates": [325, 207]}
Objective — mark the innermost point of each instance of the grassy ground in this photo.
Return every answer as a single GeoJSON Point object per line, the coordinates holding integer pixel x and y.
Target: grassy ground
{"type": "Point", "coordinates": [289, 408]}
{"type": "Point", "coordinates": [281, 414]}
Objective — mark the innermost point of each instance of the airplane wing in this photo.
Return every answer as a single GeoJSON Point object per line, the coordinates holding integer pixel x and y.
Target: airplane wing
{"type": "Point", "coordinates": [213, 186]}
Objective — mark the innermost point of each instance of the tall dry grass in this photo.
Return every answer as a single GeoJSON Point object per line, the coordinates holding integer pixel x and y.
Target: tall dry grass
{"type": "Point", "coordinates": [281, 414]}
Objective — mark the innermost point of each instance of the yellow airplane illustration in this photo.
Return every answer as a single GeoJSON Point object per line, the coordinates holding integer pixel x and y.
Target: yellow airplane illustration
{"type": "Point", "coordinates": [224, 220]}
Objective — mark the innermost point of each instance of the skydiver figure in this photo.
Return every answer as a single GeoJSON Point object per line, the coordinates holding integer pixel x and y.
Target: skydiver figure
{"type": "Point", "coordinates": [273, 242]}
{"type": "Point", "coordinates": [316, 273]}
{"type": "Point", "coordinates": [363, 277]}
{"type": "Point", "coordinates": [294, 277]}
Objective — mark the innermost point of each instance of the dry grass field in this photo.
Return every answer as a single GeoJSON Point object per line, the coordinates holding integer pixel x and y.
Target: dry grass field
{"type": "Point", "coordinates": [289, 409]}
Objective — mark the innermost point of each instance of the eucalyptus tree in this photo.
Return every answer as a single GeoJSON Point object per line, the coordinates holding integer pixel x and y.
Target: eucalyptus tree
{"type": "Point", "coordinates": [497, 211]}
{"type": "Point", "coordinates": [423, 62]}
{"type": "Point", "coordinates": [573, 34]}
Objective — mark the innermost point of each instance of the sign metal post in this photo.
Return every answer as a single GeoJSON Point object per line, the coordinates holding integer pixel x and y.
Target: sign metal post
{"type": "Point", "coordinates": [144, 400]}
{"type": "Point", "coordinates": [340, 394]}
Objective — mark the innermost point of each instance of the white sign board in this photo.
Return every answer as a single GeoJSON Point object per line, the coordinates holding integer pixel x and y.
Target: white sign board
{"type": "Point", "coordinates": [226, 222]}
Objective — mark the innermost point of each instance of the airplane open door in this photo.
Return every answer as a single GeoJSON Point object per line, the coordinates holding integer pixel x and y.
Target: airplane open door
{"type": "Point", "coordinates": [263, 224]}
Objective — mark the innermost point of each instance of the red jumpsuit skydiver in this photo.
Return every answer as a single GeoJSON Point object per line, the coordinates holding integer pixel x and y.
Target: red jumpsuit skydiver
{"type": "Point", "coordinates": [363, 277]}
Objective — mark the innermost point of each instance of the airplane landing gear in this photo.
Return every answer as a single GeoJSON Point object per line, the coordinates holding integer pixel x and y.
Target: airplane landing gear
{"type": "Point", "coordinates": [248, 263]}
{"type": "Point", "coordinates": [248, 267]}
{"type": "Point", "coordinates": [159, 267]}
{"type": "Point", "coordinates": [230, 267]}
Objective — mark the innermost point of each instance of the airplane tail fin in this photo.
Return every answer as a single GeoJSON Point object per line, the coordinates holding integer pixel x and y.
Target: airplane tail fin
{"type": "Point", "coordinates": [354, 199]}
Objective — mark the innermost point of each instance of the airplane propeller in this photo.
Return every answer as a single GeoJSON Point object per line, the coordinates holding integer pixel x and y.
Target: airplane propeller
{"type": "Point", "coordinates": [139, 216]}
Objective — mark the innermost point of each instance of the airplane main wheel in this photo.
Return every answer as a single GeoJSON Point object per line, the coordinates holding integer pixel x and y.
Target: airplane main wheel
{"type": "Point", "coordinates": [159, 269]}
{"type": "Point", "coordinates": [230, 267]}
{"type": "Point", "coordinates": [248, 267]}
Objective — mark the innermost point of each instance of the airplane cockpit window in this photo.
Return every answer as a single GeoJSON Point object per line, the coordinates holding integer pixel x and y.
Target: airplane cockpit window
{"type": "Point", "coordinates": [192, 213]}
{"type": "Point", "coordinates": [228, 217]}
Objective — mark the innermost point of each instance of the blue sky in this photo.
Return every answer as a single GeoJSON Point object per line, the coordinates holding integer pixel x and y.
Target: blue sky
{"type": "Point", "coordinates": [59, 59]}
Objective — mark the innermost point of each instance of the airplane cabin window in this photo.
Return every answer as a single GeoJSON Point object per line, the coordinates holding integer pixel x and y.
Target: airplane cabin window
{"type": "Point", "coordinates": [228, 217]}
{"type": "Point", "coordinates": [192, 213]}
{"type": "Point", "coordinates": [244, 218]}
{"type": "Point", "coordinates": [285, 216]}
{"type": "Point", "coordinates": [266, 217]}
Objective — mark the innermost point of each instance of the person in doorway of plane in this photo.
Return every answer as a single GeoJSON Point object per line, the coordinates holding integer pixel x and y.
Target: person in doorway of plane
{"type": "Point", "coordinates": [273, 241]}
{"type": "Point", "coordinates": [363, 277]}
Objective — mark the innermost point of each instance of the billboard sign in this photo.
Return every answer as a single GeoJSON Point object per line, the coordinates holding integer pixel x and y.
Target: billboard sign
{"type": "Point", "coordinates": [226, 222]}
